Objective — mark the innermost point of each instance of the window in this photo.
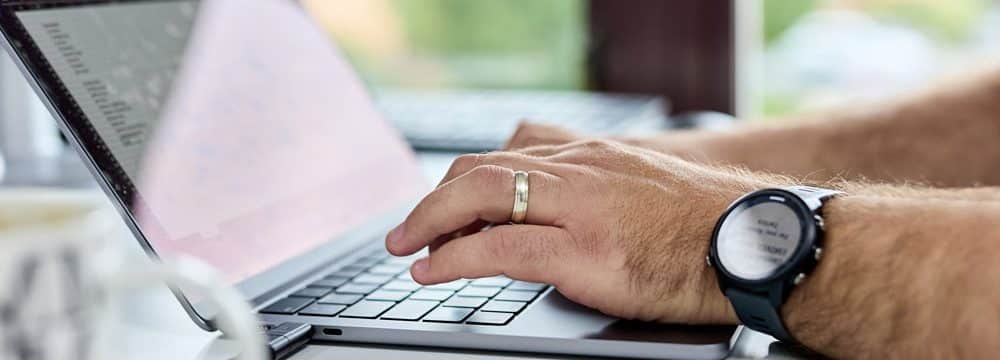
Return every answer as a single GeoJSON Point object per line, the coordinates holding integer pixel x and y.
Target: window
{"type": "Point", "coordinates": [819, 53]}
{"type": "Point", "coordinates": [458, 43]}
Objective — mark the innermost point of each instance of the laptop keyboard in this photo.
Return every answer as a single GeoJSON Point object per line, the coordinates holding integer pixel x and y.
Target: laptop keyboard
{"type": "Point", "coordinates": [478, 120]}
{"type": "Point", "coordinates": [378, 286]}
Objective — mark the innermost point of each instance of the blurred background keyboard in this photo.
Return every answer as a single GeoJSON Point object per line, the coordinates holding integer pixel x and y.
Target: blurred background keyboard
{"type": "Point", "coordinates": [482, 120]}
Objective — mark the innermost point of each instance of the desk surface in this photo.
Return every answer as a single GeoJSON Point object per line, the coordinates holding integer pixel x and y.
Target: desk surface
{"type": "Point", "coordinates": [156, 326]}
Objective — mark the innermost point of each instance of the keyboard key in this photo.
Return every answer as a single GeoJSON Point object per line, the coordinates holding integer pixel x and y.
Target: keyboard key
{"type": "Point", "coordinates": [311, 292]}
{"type": "Point", "coordinates": [405, 261]}
{"type": "Point", "coordinates": [504, 306]}
{"type": "Point", "coordinates": [401, 285]}
{"type": "Point", "coordinates": [426, 294]}
{"type": "Point", "coordinates": [489, 318]}
{"type": "Point", "coordinates": [411, 310]}
{"type": "Point", "coordinates": [405, 276]}
{"type": "Point", "coordinates": [378, 254]}
{"type": "Point", "coordinates": [355, 288]}
{"type": "Point", "coordinates": [387, 295]}
{"type": "Point", "coordinates": [365, 262]}
{"type": "Point", "coordinates": [526, 286]}
{"type": "Point", "coordinates": [374, 259]}
{"type": "Point", "coordinates": [466, 302]}
{"type": "Point", "coordinates": [368, 309]}
{"type": "Point", "coordinates": [515, 295]}
{"type": "Point", "coordinates": [387, 269]}
{"type": "Point", "coordinates": [342, 299]}
{"type": "Point", "coordinates": [354, 268]}
{"type": "Point", "coordinates": [479, 291]}
{"type": "Point", "coordinates": [347, 272]}
{"type": "Point", "coordinates": [287, 305]}
{"type": "Point", "coordinates": [330, 282]}
{"type": "Point", "coordinates": [322, 309]}
{"type": "Point", "coordinates": [496, 281]}
{"type": "Point", "coordinates": [448, 314]}
{"type": "Point", "coordinates": [452, 285]}
{"type": "Point", "coordinates": [372, 279]}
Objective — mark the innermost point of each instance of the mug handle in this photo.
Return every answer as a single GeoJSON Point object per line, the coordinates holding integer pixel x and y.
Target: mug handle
{"type": "Point", "coordinates": [235, 316]}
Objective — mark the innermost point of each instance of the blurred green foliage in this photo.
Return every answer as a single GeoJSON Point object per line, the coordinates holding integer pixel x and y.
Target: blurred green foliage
{"type": "Point", "coordinates": [779, 15]}
{"type": "Point", "coordinates": [490, 26]}
{"type": "Point", "coordinates": [484, 44]}
{"type": "Point", "coordinates": [949, 21]}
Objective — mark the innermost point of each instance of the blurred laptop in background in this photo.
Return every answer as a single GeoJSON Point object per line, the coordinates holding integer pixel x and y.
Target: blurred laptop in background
{"type": "Point", "coordinates": [481, 120]}
{"type": "Point", "coordinates": [460, 76]}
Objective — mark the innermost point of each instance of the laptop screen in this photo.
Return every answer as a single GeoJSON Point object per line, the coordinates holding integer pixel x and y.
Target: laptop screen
{"type": "Point", "coordinates": [234, 131]}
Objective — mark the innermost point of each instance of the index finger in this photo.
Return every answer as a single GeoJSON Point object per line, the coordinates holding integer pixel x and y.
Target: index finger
{"type": "Point", "coordinates": [486, 193]}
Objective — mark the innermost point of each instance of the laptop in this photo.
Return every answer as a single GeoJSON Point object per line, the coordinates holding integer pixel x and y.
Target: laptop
{"type": "Point", "coordinates": [235, 132]}
{"type": "Point", "coordinates": [475, 120]}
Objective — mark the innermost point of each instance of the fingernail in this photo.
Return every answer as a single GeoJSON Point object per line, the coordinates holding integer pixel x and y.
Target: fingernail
{"type": "Point", "coordinates": [396, 234]}
{"type": "Point", "coordinates": [421, 266]}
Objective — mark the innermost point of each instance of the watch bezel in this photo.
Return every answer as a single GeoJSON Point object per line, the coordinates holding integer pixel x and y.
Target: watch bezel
{"type": "Point", "coordinates": [802, 259]}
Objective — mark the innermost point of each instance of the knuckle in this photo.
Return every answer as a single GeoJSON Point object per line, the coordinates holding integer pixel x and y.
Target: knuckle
{"type": "Point", "coordinates": [541, 182]}
{"type": "Point", "coordinates": [489, 176]}
{"type": "Point", "coordinates": [582, 156]}
{"type": "Point", "coordinates": [595, 152]}
{"type": "Point", "coordinates": [499, 157]}
{"type": "Point", "coordinates": [576, 173]}
{"type": "Point", "coordinates": [596, 144]}
{"type": "Point", "coordinates": [526, 125]}
{"type": "Point", "coordinates": [523, 130]}
{"type": "Point", "coordinates": [529, 140]}
{"type": "Point", "coordinates": [421, 215]}
{"type": "Point", "coordinates": [558, 189]}
{"type": "Point", "coordinates": [436, 228]}
{"type": "Point", "coordinates": [423, 206]}
{"type": "Point", "coordinates": [508, 247]}
{"type": "Point", "coordinates": [583, 150]}
{"type": "Point", "coordinates": [536, 149]}
{"type": "Point", "coordinates": [465, 162]}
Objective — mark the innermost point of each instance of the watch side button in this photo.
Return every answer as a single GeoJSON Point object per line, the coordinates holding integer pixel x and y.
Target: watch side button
{"type": "Point", "coordinates": [798, 278]}
{"type": "Point", "coordinates": [818, 253]}
{"type": "Point", "coordinates": [820, 222]}
{"type": "Point", "coordinates": [708, 260]}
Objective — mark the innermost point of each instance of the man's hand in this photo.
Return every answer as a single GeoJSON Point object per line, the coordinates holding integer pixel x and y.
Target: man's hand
{"type": "Point", "coordinates": [617, 228]}
{"type": "Point", "coordinates": [685, 144]}
{"type": "Point", "coordinates": [530, 134]}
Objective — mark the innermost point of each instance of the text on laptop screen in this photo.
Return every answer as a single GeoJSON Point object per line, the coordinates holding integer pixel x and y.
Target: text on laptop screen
{"type": "Point", "coordinates": [247, 144]}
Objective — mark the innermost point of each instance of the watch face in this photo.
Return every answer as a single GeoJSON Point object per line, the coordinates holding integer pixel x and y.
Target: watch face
{"type": "Point", "coordinates": [758, 236]}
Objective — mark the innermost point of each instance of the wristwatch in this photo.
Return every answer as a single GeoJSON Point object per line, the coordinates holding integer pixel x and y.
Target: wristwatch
{"type": "Point", "coordinates": [765, 244]}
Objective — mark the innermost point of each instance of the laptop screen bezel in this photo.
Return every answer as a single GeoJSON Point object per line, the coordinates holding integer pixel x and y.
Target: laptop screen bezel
{"type": "Point", "coordinates": [73, 122]}
{"type": "Point", "coordinates": [113, 180]}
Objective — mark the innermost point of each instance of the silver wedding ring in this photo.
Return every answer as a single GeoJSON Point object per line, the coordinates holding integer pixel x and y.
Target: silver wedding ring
{"type": "Point", "coordinates": [520, 197]}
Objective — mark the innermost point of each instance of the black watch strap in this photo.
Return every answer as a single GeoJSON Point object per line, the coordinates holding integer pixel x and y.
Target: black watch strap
{"type": "Point", "coordinates": [758, 313]}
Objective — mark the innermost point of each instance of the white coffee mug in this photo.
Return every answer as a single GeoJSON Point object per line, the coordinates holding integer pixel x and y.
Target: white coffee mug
{"type": "Point", "coordinates": [59, 275]}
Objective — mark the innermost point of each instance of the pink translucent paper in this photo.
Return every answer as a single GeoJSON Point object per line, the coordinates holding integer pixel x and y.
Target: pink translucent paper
{"type": "Point", "coordinates": [269, 144]}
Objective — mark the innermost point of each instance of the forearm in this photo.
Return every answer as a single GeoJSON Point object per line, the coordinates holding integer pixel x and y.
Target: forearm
{"type": "Point", "coordinates": [946, 137]}
{"type": "Point", "coordinates": [903, 277]}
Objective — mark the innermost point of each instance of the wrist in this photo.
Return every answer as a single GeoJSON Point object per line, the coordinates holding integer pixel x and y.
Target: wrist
{"type": "Point", "coordinates": [808, 298]}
